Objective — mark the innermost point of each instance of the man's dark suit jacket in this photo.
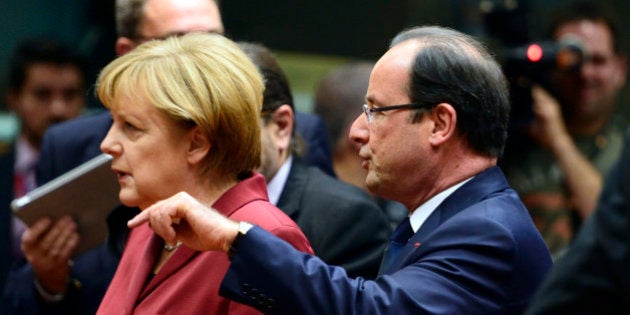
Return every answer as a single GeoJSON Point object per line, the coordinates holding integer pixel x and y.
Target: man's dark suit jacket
{"type": "Point", "coordinates": [343, 223]}
{"type": "Point", "coordinates": [478, 253]}
{"type": "Point", "coordinates": [593, 276]}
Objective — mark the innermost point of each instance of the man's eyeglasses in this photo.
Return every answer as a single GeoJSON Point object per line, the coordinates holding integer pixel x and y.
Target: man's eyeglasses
{"type": "Point", "coordinates": [368, 111]}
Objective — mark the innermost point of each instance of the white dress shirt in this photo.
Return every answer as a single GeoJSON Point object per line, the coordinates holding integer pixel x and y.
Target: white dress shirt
{"type": "Point", "coordinates": [418, 216]}
{"type": "Point", "coordinates": [276, 185]}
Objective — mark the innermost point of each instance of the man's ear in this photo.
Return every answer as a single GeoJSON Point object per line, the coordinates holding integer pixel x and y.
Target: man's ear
{"type": "Point", "coordinates": [199, 145]}
{"type": "Point", "coordinates": [283, 119]}
{"type": "Point", "coordinates": [621, 72]}
{"type": "Point", "coordinates": [444, 119]}
{"type": "Point", "coordinates": [124, 45]}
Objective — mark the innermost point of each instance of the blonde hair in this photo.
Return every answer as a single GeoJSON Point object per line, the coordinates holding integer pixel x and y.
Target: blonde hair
{"type": "Point", "coordinates": [201, 79]}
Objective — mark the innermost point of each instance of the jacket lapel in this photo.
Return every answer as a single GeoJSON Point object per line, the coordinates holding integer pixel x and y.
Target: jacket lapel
{"type": "Point", "coordinates": [480, 187]}
{"type": "Point", "coordinates": [177, 261]}
{"type": "Point", "coordinates": [139, 270]}
{"type": "Point", "coordinates": [295, 185]}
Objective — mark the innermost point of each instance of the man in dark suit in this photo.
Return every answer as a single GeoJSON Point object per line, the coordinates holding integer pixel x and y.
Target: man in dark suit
{"type": "Point", "coordinates": [469, 246]}
{"type": "Point", "coordinates": [593, 276]}
{"type": "Point", "coordinates": [343, 224]}
{"type": "Point", "coordinates": [46, 86]}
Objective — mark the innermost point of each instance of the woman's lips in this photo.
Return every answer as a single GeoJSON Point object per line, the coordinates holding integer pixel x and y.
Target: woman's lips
{"type": "Point", "coordinates": [122, 176]}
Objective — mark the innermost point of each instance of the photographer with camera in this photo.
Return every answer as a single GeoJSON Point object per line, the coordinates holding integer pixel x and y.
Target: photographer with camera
{"type": "Point", "coordinates": [573, 139]}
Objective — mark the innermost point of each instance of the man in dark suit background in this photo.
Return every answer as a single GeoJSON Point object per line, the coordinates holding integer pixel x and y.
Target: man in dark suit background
{"type": "Point", "coordinates": [343, 224]}
{"type": "Point", "coordinates": [46, 86]}
{"type": "Point", "coordinates": [433, 129]}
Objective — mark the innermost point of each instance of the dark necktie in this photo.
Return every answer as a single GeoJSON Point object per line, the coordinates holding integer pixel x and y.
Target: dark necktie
{"type": "Point", "coordinates": [397, 241]}
{"type": "Point", "coordinates": [23, 182]}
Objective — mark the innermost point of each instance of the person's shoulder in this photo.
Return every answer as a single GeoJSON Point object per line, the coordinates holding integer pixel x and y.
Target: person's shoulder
{"type": "Point", "coordinates": [264, 214]}
{"type": "Point", "coordinates": [339, 203]}
{"type": "Point", "coordinates": [308, 119]}
{"type": "Point", "coordinates": [326, 185]}
{"type": "Point", "coordinates": [92, 122]}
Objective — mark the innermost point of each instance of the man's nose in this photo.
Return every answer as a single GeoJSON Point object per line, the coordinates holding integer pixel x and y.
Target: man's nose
{"type": "Point", "coordinates": [359, 132]}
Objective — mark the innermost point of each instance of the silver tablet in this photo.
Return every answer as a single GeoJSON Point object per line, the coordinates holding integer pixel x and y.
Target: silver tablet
{"type": "Point", "coordinates": [88, 193]}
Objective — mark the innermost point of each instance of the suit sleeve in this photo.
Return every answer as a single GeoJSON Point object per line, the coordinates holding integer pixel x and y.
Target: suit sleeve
{"type": "Point", "coordinates": [20, 297]}
{"type": "Point", "coordinates": [92, 272]}
{"type": "Point", "coordinates": [285, 281]}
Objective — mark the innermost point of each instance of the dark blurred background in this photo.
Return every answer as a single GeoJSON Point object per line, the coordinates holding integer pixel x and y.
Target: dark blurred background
{"type": "Point", "coordinates": [309, 36]}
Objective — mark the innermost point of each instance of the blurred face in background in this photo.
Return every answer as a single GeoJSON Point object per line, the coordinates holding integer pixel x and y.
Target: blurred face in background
{"type": "Point", "coordinates": [164, 18]}
{"type": "Point", "coordinates": [590, 93]}
{"type": "Point", "coordinates": [50, 94]}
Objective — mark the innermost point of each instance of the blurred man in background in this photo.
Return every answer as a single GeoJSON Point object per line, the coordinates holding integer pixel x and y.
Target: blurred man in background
{"type": "Point", "coordinates": [46, 86]}
{"type": "Point", "coordinates": [574, 137]}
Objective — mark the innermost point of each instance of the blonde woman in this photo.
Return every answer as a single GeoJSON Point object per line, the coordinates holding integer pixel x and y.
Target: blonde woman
{"type": "Point", "coordinates": [186, 119]}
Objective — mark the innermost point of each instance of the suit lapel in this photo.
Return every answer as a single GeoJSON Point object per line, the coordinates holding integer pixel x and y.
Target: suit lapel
{"type": "Point", "coordinates": [138, 271]}
{"type": "Point", "coordinates": [176, 262]}
{"type": "Point", "coordinates": [487, 182]}
{"type": "Point", "coordinates": [294, 187]}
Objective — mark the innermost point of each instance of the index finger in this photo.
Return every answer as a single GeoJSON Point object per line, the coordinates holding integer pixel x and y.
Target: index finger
{"type": "Point", "coordinates": [140, 218]}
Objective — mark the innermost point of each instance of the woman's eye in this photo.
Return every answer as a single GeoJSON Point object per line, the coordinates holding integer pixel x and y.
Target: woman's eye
{"type": "Point", "coordinates": [130, 126]}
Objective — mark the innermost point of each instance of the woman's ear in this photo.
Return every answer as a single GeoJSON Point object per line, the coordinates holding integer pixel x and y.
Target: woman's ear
{"type": "Point", "coordinates": [444, 119]}
{"type": "Point", "coordinates": [199, 145]}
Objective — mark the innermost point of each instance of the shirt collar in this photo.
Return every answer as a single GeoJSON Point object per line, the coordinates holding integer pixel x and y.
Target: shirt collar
{"type": "Point", "coordinates": [25, 155]}
{"type": "Point", "coordinates": [276, 185]}
{"type": "Point", "coordinates": [418, 216]}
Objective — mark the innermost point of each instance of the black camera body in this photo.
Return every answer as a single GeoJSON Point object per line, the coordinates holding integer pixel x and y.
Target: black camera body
{"type": "Point", "coordinates": [527, 62]}
{"type": "Point", "coordinates": [534, 64]}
